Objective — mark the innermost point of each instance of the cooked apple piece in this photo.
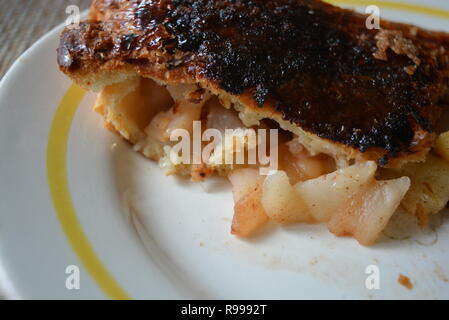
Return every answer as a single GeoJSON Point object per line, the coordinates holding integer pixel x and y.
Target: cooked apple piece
{"type": "Point", "coordinates": [188, 103]}
{"type": "Point", "coordinates": [429, 191]}
{"type": "Point", "coordinates": [314, 200]}
{"type": "Point", "coordinates": [282, 203]}
{"type": "Point", "coordinates": [351, 200]}
{"type": "Point", "coordinates": [327, 194]}
{"type": "Point", "coordinates": [442, 145]}
{"type": "Point", "coordinates": [249, 214]}
{"type": "Point", "coordinates": [221, 118]}
{"type": "Point", "coordinates": [369, 210]}
{"type": "Point", "coordinates": [300, 165]}
{"type": "Point", "coordinates": [128, 107]}
{"type": "Point", "coordinates": [244, 181]}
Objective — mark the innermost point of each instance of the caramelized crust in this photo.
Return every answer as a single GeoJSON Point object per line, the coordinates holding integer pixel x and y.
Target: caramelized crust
{"type": "Point", "coordinates": [376, 93]}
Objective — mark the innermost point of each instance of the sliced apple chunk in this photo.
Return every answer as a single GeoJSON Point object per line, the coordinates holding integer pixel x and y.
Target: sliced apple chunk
{"type": "Point", "coordinates": [244, 181]}
{"type": "Point", "coordinates": [329, 193]}
{"type": "Point", "coordinates": [368, 212]}
{"type": "Point", "coordinates": [429, 192]}
{"type": "Point", "coordinates": [249, 214]}
{"type": "Point", "coordinates": [281, 201]}
{"type": "Point", "coordinates": [442, 145]}
{"type": "Point", "coordinates": [314, 200]}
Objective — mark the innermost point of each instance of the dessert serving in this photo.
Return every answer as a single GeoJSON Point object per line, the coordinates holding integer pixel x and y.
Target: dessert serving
{"type": "Point", "coordinates": [359, 113]}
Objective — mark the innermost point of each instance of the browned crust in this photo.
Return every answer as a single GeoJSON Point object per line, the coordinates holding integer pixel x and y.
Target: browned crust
{"type": "Point", "coordinates": [302, 61]}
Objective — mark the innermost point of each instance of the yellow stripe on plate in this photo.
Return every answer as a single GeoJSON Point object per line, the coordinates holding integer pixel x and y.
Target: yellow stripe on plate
{"type": "Point", "coordinates": [62, 201]}
{"type": "Point", "coordinates": [401, 6]}
{"type": "Point", "coordinates": [57, 162]}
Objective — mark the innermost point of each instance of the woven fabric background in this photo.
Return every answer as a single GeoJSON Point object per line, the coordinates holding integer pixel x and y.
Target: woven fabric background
{"type": "Point", "coordinates": [22, 22]}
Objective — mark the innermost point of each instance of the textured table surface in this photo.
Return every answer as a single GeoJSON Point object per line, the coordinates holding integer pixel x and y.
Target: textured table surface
{"type": "Point", "coordinates": [22, 22]}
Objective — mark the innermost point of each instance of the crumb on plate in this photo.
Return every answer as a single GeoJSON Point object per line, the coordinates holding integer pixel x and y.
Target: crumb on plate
{"type": "Point", "coordinates": [405, 281]}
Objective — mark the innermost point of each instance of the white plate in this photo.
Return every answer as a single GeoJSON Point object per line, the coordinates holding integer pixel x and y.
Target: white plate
{"type": "Point", "coordinates": [72, 193]}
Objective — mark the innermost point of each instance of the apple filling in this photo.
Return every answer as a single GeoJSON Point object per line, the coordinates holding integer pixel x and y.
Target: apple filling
{"type": "Point", "coordinates": [306, 186]}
